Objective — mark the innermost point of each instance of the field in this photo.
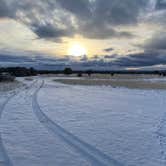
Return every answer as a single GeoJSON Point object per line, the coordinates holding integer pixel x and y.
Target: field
{"type": "Point", "coordinates": [126, 81]}
{"type": "Point", "coordinates": [56, 121]}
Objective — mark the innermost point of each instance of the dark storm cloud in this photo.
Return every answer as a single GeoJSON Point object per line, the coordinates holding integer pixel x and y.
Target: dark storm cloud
{"type": "Point", "coordinates": [141, 60]}
{"type": "Point", "coordinates": [80, 7]}
{"type": "Point", "coordinates": [117, 11]}
{"type": "Point", "coordinates": [50, 31]}
{"type": "Point", "coordinates": [4, 9]}
{"type": "Point", "coordinates": [107, 14]}
{"type": "Point", "coordinates": [89, 21]}
{"type": "Point", "coordinates": [156, 43]}
{"type": "Point", "coordinates": [108, 49]}
{"type": "Point", "coordinates": [14, 59]}
{"type": "Point", "coordinates": [93, 19]}
{"type": "Point", "coordinates": [124, 62]}
{"type": "Point", "coordinates": [161, 4]}
{"type": "Point", "coordinates": [128, 61]}
{"type": "Point", "coordinates": [101, 31]}
{"type": "Point", "coordinates": [110, 56]}
{"type": "Point", "coordinates": [107, 62]}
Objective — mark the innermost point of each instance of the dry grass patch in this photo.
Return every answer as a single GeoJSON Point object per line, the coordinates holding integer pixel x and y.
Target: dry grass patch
{"type": "Point", "coordinates": [128, 83]}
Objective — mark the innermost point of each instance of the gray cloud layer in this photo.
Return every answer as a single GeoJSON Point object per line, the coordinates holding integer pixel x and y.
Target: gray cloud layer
{"type": "Point", "coordinates": [118, 62]}
{"type": "Point", "coordinates": [157, 42]}
{"type": "Point", "coordinates": [92, 19]}
{"type": "Point", "coordinates": [5, 10]}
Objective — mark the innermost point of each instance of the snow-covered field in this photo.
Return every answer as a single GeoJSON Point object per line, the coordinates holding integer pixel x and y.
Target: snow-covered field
{"type": "Point", "coordinates": [49, 123]}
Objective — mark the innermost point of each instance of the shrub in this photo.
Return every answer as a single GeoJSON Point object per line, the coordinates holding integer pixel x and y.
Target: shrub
{"type": "Point", "coordinates": [67, 71]}
{"type": "Point", "coordinates": [6, 77]}
{"type": "Point", "coordinates": [89, 72]}
{"type": "Point", "coordinates": [79, 75]}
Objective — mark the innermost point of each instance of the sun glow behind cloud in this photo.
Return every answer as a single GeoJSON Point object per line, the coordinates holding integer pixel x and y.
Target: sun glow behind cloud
{"type": "Point", "coordinates": [76, 49]}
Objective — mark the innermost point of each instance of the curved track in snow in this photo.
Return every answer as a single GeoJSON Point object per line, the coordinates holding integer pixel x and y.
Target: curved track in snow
{"type": "Point", "coordinates": [4, 158]}
{"type": "Point", "coordinates": [95, 156]}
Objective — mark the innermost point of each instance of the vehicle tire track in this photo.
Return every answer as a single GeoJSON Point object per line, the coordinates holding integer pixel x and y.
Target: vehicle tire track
{"type": "Point", "coordinates": [5, 160]}
{"type": "Point", "coordinates": [95, 156]}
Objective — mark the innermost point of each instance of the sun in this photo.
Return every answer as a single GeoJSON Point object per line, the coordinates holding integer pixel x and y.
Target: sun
{"type": "Point", "coordinates": [76, 49]}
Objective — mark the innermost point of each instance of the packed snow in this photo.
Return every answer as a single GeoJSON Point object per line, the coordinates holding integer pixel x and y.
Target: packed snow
{"type": "Point", "coordinates": [49, 123]}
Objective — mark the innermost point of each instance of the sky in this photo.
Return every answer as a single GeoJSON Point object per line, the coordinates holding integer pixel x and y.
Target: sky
{"type": "Point", "coordinates": [114, 34]}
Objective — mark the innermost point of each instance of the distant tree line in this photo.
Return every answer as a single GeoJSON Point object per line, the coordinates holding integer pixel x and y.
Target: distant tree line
{"type": "Point", "coordinates": [23, 71]}
{"type": "Point", "coordinates": [19, 71]}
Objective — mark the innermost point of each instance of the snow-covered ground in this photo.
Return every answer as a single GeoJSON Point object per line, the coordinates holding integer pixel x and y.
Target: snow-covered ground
{"type": "Point", "coordinates": [49, 123]}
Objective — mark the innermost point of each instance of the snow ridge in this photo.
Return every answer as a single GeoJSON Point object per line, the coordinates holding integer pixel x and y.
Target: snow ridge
{"type": "Point", "coordinates": [95, 156]}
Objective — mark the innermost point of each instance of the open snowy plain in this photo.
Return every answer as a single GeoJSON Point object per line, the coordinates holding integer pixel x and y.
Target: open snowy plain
{"type": "Point", "coordinates": [49, 123]}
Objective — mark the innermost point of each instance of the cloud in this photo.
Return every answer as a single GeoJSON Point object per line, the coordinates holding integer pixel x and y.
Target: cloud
{"type": "Point", "coordinates": [118, 12]}
{"type": "Point", "coordinates": [97, 19]}
{"type": "Point", "coordinates": [15, 59]}
{"type": "Point", "coordinates": [108, 49]}
{"type": "Point", "coordinates": [107, 14]}
{"type": "Point", "coordinates": [161, 4]}
{"type": "Point", "coordinates": [141, 60]}
{"type": "Point", "coordinates": [102, 32]}
{"type": "Point", "coordinates": [156, 43]}
{"type": "Point", "coordinates": [110, 56]}
{"type": "Point", "coordinates": [80, 8]}
{"type": "Point", "coordinates": [57, 18]}
{"type": "Point", "coordinates": [107, 62]}
{"type": "Point", "coordinates": [4, 9]}
{"type": "Point", "coordinates": [38, 61]}
{"type": "Point", "coordinates": [49, 31]}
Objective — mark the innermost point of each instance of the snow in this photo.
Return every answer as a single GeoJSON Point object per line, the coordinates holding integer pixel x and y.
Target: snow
{"type": "Point", "coordinates": [49, 123]}
{"type": "Point", "coordinates": [26, 140]}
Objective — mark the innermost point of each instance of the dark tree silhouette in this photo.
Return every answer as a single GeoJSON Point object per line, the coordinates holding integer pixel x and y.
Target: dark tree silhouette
{"type": "Point", "coordinates": [89, 72]}
{"type": "Point", "coordinates": [67, 71]}
{"type": "Point", "coordinates": [79, 75]}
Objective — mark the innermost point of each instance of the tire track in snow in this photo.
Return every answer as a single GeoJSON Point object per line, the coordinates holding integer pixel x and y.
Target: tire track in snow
{"type": "Point", "coordinates": [4, 158]}
{"type": "Point", "coordinates": [95, 156]}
